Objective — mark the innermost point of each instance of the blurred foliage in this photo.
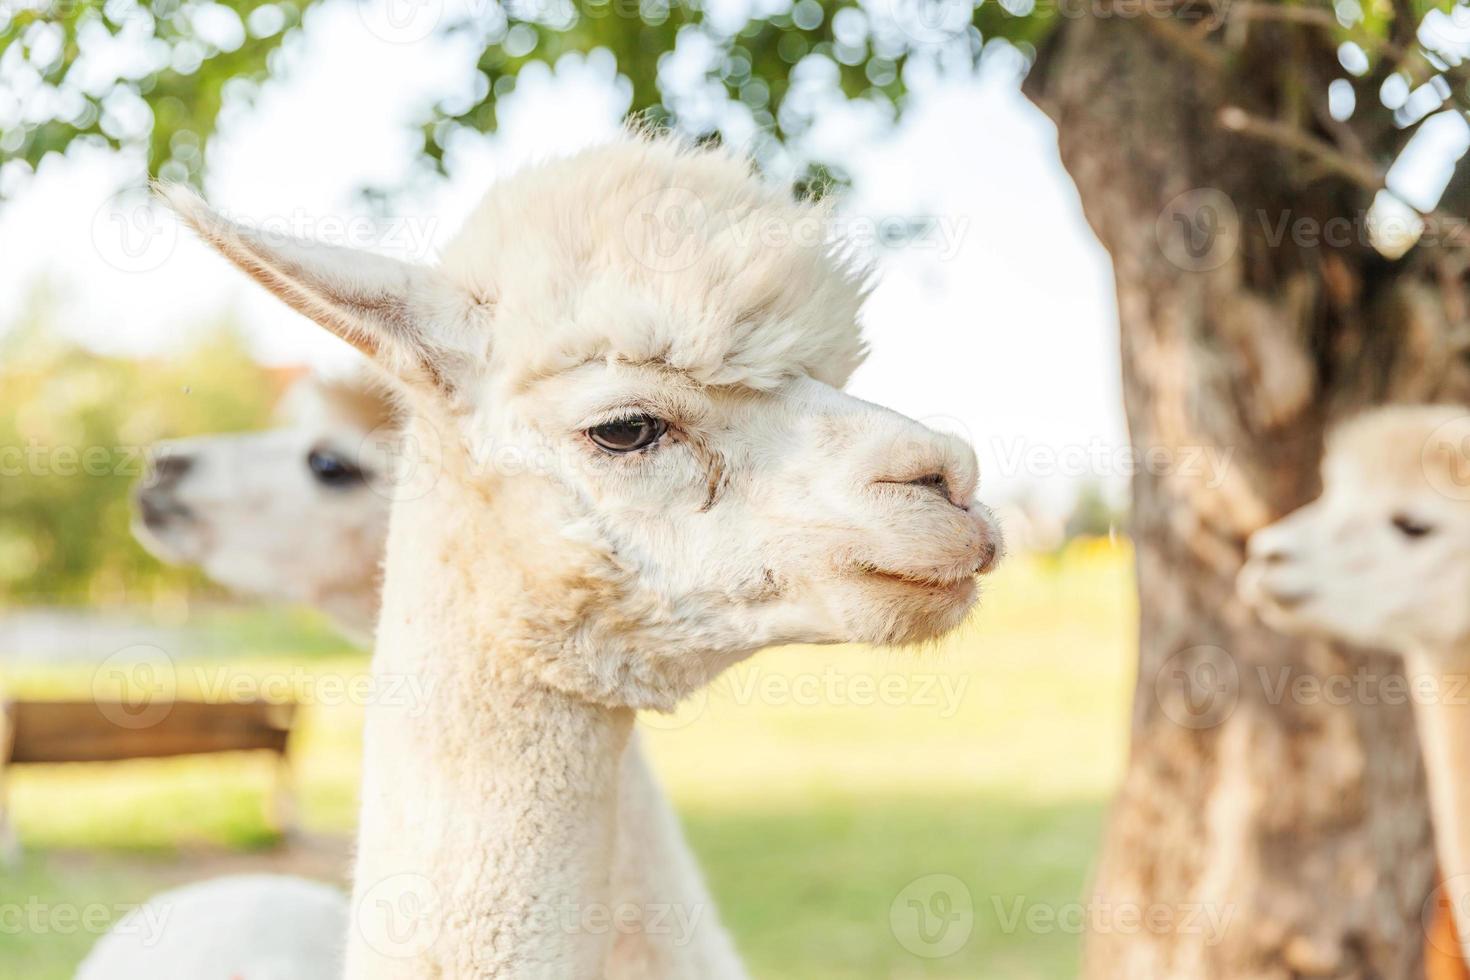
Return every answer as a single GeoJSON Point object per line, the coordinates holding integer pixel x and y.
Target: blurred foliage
{"type": "Point", "coordinates": [1094, 514]}
{"type": "Point", "coordinates": [767, 68]}
{"type": "Point", "coordinates": [761, 69]}
{"type": "Point", "coordinates": [63, 77]}
{"type": "Point", "coordinates": [73, 440]}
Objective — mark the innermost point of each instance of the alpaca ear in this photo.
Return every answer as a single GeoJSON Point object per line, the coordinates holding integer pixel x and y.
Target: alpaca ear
{"type": "Point", "coordinates": [383, 306]}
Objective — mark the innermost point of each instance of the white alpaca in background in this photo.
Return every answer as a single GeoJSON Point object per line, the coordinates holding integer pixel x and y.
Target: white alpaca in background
{"type": "Point", "coordinates": [288, 514]}
{"type": "Point", "coordinates": [240, 927]}
{"type": "Point", "coordinates": [209, 501]}
{"type": "Point", "coordinates": [1382, 559]}
{"type": "Point", "coordinates": [624, 379]}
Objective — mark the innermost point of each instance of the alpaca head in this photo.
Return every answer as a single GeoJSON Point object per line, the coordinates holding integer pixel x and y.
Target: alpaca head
{"type": "Point", "coordinates": [1382, 557]}
{"type": "Point", "coordinates": [285, 514]}
{"type": "Point", "coordinates": [630, 365]}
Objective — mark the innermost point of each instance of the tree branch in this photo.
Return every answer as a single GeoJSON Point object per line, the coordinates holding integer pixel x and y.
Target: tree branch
{"type": "Point", "coordinates": [1442, 230]}
{"type": "Point", "coordinates": [1408, 58]}
{"type": "Point", "coordinates": [1255, 10]}
{"type": "Point", "coordinates": [1324, 18]}
{"type": "Point", "coordinates": [1360, 171]}
{"type": "Point", "coordinates": [1185, 41]}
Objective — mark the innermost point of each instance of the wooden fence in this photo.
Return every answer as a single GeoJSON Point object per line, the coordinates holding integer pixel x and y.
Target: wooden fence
{"type": "Point", "coordinates": [106, 731]}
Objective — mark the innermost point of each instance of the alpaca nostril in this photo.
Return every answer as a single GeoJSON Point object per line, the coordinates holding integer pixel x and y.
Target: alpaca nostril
{"type": "Point", "coordinates": [1274, 556]}
{"type": "Point", "coordinates": [1267, 549]}
{"type": "Point", "coordinates": [168, 470]}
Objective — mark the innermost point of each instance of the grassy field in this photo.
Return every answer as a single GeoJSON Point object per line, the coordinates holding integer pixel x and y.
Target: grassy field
{"type": "Point", "coordinates": [859, 814]}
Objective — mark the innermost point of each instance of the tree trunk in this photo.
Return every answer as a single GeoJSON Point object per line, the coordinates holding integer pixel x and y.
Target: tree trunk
{"type": "Point", "coordinates": [1273, 783]}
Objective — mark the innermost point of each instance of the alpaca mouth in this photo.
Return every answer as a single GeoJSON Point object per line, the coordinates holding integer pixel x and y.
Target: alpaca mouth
{"type": "Point", "coordinates": [1256, 591]}
{"type": "Point", "coordinates": [1288, 601]}
{"type": "Point", "coordinates": [166, 528]}
{"type": "Point", "coordinates": [951, 585]}
{"type": "Point", "coordinates": [914, 607]}
{"type": "Point", "coordinates": [1270, 600]}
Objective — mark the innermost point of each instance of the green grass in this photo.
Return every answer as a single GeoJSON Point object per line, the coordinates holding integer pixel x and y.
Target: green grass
{"type": "Point", "coordinates": [808, 891]}
{"type": "Point", "coordinates": [816, 784]}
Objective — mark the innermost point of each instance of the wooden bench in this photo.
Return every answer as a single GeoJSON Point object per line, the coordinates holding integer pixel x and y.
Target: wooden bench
{"type": "Point", "coordinates": [107, 731]}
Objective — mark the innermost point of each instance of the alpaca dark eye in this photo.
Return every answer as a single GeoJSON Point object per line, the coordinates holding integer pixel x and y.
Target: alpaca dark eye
{"type": "Point", "coordinates": [332, 470]}
{"type": "Point", "coordinates": [1409, 527]}
{"type": "Point", "coordinates": [628, 435]}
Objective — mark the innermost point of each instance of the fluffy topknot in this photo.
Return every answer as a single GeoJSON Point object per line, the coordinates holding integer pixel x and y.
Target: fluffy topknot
{"type": "Point", "coordinates": [1405, 445]}
{"type": "Point", "coordinates": [649, 250]}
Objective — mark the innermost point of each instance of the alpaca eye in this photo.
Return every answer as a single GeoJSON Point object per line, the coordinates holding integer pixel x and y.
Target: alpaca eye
{"type": "Point", "coordinates": [628, 435]}
{"type": "Point", "coordinates": [1409, 527]}
{"type": "Point", "coordinates": [332, 470]}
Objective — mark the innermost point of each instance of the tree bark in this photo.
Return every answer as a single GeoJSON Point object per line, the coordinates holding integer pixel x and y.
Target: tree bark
{"type": "Point", "coordinates": [1272, 782]}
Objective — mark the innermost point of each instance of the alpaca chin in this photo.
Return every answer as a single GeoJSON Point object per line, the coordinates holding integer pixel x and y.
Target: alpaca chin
{"type": "Point", "coordinates": [903, 613]}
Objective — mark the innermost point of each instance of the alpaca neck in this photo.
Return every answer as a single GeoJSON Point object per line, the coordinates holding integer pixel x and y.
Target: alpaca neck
{"type": "Point", "coordinates": [488, 817]}
{"type": "Point", "coordinates": [1442, 713]}
{"type": "Point", "coordinates": [672, 927]}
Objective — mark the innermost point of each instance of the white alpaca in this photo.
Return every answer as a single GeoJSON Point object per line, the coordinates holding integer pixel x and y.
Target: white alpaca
{"type": "Point", "coordinates": [1382, 559]}
{"type": "Point", "coordinates": [240, 506]}
{"type": "Point", "coordinates": [623, 380]}
{"type": "Point", "coordinates": [289, 514]}
{"type": "Point", "coordinates": [242, 927]}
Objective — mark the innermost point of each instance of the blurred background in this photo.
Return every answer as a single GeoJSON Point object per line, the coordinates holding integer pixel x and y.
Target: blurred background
{"type": "Point", "coordinates": [996, 316]}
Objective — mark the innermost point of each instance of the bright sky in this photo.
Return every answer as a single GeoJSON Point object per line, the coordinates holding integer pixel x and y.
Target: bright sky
{"type": "Point", "coordinates": [998, 323]}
